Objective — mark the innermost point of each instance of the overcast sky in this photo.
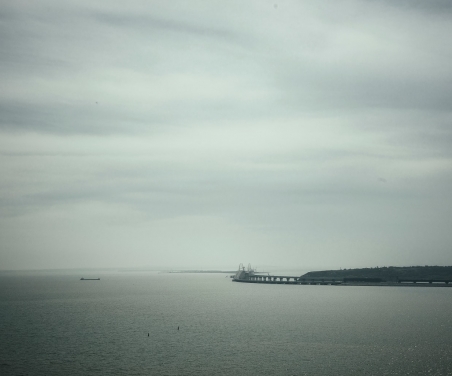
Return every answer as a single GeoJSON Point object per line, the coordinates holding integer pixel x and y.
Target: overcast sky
{"type": "Point", "coordinates": [202, 134]}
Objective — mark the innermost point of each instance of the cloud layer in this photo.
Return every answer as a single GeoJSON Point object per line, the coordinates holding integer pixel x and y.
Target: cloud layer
{"type": "Point", "coordinates": [187, 134]}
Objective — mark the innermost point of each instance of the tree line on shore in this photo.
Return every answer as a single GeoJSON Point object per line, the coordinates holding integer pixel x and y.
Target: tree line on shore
{"type": "Point", "coordinates": [387, 273]}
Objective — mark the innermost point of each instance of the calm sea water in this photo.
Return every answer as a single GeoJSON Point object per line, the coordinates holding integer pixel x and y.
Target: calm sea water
{"type": "Point", "coordinates": [54, 324]}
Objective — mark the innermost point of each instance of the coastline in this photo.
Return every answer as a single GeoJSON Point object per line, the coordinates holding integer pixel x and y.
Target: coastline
{"type": "Point", "coordinates": [414, 276]}
{"type": "Point", "coordinates": [338, 283]}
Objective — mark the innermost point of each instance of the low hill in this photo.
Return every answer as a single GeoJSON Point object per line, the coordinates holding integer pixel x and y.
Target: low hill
{"type": "Point", "coordinates": [389, 273]}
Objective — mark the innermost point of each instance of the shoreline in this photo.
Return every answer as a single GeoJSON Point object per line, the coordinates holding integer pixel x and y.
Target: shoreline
{"type": "Point", "coordinates": [337, 283]}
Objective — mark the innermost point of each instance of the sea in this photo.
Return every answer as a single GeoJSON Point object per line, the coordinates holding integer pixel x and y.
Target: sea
{"type": "Point", "coordinates": [153, 323]}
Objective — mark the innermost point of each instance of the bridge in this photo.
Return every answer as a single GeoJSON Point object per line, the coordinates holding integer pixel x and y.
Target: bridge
{"type": "Point", "coordinates": [250, 275]}
{"type": "Point", "coordinates": [287, 280]}
{"type": "Point", "coordinates": [296, 280]}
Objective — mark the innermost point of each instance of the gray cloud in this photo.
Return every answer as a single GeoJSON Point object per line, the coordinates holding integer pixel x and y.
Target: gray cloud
{"type": "Point", "coordinates": [204, 135]}
{"type": "Point", "coordinates": [435, 6]}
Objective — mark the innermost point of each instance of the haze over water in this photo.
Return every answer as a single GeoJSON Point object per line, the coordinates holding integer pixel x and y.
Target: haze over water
{"type": "Point", "coordinates": [51, 323]}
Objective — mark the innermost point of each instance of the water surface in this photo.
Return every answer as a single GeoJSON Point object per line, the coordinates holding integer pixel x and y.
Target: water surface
{"type": "Point", "coordinates": [51, 323]}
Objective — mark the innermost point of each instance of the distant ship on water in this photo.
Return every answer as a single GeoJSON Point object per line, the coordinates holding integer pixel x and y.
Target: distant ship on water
{"type": "Point", "coordinates": [89, 279]}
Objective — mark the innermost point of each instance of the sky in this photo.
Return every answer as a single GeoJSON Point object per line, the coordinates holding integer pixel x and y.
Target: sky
{"type": "Point", "coordinates": [204, 134]}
